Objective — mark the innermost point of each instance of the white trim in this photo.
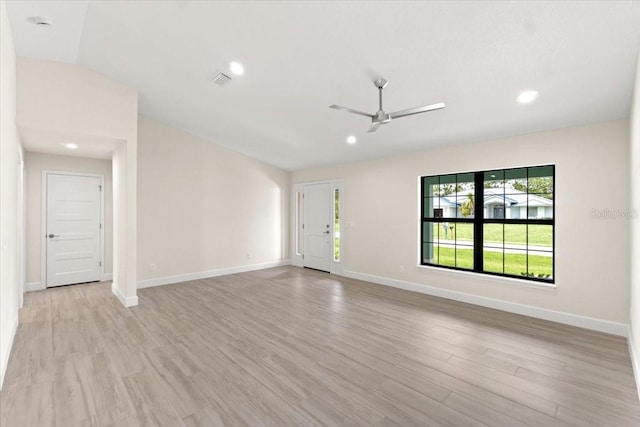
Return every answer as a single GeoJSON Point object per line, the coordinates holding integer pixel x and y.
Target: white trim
{"type": "Point", "coordinates": [38, 286]}
{"type": "Point", "coordinates": [159, 281]}
{"type": "Point", "coordinates": [22, 221]}
{"type": "Point", "coordinates": [5, 362]}
{"type": "Point", "coordinates": [43, 220]}
{"type": "Point", "coordinates": [600, 325]}
{"type": "Point", "coordinates": [296, 258]}
{"type": "Point", "coordinates": [127, 302]}
{"type": "Point", "coordinates": [494, 279]}
{"type": "Point", "coordinates": [34, 286]}
{"type": "Point", "coordinates": [635, 360]}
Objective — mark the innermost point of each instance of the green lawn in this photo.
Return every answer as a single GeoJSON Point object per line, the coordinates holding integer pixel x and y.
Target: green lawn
{"type": "Point", "coordinates": [539, 235]}
{"type": "Point", "coordinates": [513, 263]}
{"type": "Point", "coordinates": [336, 241]}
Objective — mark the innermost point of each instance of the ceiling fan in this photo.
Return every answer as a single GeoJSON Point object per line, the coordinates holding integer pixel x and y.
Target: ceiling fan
{"type": "Point", "coordinates": [381, 117]}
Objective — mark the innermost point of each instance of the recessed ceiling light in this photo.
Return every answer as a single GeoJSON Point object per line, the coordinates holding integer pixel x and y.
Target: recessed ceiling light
{"type": "Point", "coordinates": [40, 22]}
{"type": "Point", "coordinates": [527, 96]}
{"type": "Point", "coordinates": [236, 68]}
{"type": "Point", "coordinates": [351, 140]}
{"type": "Point", "coordinates": [71, 146]}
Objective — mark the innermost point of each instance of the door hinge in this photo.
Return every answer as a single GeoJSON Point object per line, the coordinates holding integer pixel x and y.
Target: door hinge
{"type": "Point", "coordinates": [100, 263]}
{"type": "Point", "coordinates": [100, 226]}
{"type": "Point", "coordinates": [302, 225]}
{"type": "Point", "coordinates": [100, 187]}
{"type": "Point", "coordinates": [302, 256]}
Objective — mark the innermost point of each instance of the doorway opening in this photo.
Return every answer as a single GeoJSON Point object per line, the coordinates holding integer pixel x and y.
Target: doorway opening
{"type": "Point", "coordinates": [317, 228]}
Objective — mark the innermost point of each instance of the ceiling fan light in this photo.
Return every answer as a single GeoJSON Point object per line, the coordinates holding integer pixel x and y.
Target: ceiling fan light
{"type": "Point", "coordinates": [351, 139]}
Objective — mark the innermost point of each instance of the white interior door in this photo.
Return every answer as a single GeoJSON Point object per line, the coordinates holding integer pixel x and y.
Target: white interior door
{"type": "Point", "coordinates": [318, 210]}
{"type": "Point", "coordinates": [73, 229]}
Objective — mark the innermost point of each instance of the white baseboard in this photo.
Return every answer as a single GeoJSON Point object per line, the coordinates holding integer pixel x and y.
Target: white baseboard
{"type": "Point", "coordinates": [5, 362]}
{"type": "Point", "coordinates": [107, 277]}
{"type": "Point", "coordinates": [600, 325]}
{"type": "Point", "coordinates": [159, 281]}
{"type": "Point", "coordinates": [34, 286]}
{"type": "Point", "coordinates": [635, 360]}
{"type": "Point", "coordinates": [127, 302]}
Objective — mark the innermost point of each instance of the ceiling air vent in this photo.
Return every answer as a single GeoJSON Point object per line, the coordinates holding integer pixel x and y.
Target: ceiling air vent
{"type": "Point", "coordinates": [221, 79]}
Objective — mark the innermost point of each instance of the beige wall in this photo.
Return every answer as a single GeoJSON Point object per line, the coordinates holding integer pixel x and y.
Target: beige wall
{"type": "Point", "coordinates": [73, 100]}
{"type": "Point", "coordinates": [635, 224]}
{"type": "Point", "coordinates": [68, 97]}
{"type": "Point", "coordinates": [202, 207]}
{"type": "Point", "coordinates": [35, 163]}
{"type": "Point", "coordinates": [592, 259]}
{"type": "Point", "coordinates": [10, 170]}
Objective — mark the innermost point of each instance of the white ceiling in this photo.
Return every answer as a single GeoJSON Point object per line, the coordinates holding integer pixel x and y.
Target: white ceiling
{"type": "Point", "coordinates": [300, 57]}
{"type": "Point", "coordinates": [57, 43]}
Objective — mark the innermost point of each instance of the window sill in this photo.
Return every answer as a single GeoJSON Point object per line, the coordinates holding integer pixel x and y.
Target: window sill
{"type": "Point", "coordinates": [499, 280]}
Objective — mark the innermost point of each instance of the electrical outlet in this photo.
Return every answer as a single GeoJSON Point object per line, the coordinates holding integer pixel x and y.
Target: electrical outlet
{"type": "Point", "coordinates": [402, 269]}
{"type": "Point", "coordinates": [152, 267]}
{"type": "Point", "coordinates": [249, 255]}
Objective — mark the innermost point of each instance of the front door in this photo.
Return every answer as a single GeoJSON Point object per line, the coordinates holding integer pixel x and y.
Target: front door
{"type": "Point", "coordinates": [318, 209]}
{"type": "Point", "coordinates": [73, 229]}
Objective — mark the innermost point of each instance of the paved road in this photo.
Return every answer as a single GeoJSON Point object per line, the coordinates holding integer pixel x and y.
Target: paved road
{"type": "Point", "coordinates": [510, 248]}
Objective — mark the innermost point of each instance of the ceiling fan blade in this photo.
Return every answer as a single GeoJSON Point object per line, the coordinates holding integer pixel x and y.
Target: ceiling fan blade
{"type": "Point", "coordinates": [417, 110]}
{"type": "Point", "coordinates": [374, 127]}
{"type": "Point", "coordinates": [350, 110]}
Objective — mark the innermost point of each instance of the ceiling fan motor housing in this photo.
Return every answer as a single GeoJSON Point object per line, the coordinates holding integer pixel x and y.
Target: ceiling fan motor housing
{"type": "Point", "coordinates": [381, 117]}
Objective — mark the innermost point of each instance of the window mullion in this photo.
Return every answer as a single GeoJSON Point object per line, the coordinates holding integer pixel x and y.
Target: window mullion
{"type": "Point", "coordinates": [478, 217]}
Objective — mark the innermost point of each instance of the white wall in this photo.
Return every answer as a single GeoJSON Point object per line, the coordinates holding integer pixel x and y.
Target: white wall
{"type": "Point", "coordinates": [592, 260]}
{"type": "Point", "coordinates": [35, 163]}
{"type": "Point", "coordinates": [634, 336]}
{"type": "Point", "coordinates": [70, 99]}
{"type": "Point", "coordinates": [202, 208]}
{"type": "Point", "coordinates": [10, 284]}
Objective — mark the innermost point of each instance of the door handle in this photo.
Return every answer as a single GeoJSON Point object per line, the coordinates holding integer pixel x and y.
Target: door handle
{"type": "Point", "coordinates": [327, 232]}
{"type": "Point", "coordinates": [51, 236]}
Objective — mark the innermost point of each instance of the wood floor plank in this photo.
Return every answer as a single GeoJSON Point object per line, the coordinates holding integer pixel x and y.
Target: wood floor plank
{"type": "Point", "coordinates": [30, 406]}
{"type": "Point", "coordinates": [289, 346]}
{"type": "Point", "coordinates": [479, 412]}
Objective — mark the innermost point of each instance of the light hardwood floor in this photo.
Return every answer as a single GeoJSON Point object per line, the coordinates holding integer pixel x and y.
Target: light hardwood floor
{"type": "Point", "coordinates": [288, 346]}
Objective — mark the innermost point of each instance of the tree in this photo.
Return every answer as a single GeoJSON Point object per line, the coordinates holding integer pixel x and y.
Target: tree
{"type": "Point", "coordinates": [446, 189]}
{"type": "Point", "coordinates": [493, 184]}
{"type": "Point", "coordinates": [468, 206]}
{"type": "Point", "coordinates": [542, 186]}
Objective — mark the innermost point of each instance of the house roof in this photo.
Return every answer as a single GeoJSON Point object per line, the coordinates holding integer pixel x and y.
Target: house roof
{"type": "Point", "coordinates": [499, 195]}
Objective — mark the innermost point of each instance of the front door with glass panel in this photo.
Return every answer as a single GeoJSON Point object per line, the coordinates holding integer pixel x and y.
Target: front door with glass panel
{"type": "Point", "coordinates": [318, 216]}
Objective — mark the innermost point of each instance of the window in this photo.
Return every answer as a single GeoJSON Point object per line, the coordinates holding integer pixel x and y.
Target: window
{"type": "Point", "coordinates": [336, 224]}
{"type": "Point", "coordinates": [497, 222]}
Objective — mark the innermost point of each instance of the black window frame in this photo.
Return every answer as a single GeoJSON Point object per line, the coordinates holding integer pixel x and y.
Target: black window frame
{"type": "Point", "coordinates": [478, 220]}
